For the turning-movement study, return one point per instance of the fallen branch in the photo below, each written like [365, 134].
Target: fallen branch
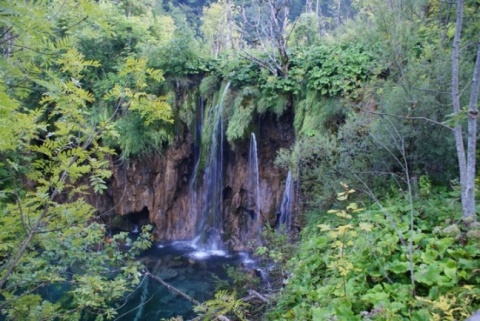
[255, 294]
[172, 288]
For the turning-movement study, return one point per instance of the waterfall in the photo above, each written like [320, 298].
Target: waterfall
[253, 220]
[286, 207]
[211, 224]
[253, 185]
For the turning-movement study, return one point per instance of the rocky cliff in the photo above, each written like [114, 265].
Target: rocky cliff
[157, 189]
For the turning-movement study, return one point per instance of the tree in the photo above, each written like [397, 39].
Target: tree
[265, 25]
[217, 26]
[466, 161]
[50, 155]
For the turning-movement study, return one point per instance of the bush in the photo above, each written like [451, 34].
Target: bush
[357, 264]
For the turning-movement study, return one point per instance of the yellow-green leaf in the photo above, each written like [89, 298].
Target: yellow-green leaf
[324, 227]
[366, 227]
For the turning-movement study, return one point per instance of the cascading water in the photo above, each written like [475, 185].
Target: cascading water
[286, 207]
[253, 220]
[253, 185]
[211, 224]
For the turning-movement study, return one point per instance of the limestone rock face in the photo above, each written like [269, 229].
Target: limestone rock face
[160, 186]
[273, 134]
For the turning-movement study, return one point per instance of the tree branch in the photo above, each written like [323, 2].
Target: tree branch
[6, 32]
[172, 288]
[10, 265]
[409, 118]
[255, 294]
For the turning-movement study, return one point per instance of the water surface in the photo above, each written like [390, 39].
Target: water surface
[185, 268]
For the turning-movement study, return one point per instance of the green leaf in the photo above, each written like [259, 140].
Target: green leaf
[376, 295]
[398, 267]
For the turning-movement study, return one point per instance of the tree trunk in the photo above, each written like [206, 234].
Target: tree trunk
[282, 41]
[472, 140]
[337, 14]
[309, 6]
[466, 161]
[229, 41]
[319, 19]
[268, 21]
[457, 131]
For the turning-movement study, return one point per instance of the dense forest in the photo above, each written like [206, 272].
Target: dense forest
[380, 98]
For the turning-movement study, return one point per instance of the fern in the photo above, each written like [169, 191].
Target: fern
[224, 303]
[277, 104]
[243, 112]
[209, 85]
[135, 138]
[316, 115]
[73, 62]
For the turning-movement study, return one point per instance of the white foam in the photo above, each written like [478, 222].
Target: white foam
[218, 253]
[199, 255]
[206, 254]
[184, 244]
[246, 259]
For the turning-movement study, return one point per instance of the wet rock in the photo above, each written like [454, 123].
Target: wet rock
[159, 185]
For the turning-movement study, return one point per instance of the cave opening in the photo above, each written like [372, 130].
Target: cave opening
[135, 220]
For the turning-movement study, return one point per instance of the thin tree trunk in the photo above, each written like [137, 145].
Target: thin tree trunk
[462, 162]
[320, 19]
[283, 39]
[270, 34]
[472, 139]
[12, 264]
[228, 42]
[337, 15]
[309, 6]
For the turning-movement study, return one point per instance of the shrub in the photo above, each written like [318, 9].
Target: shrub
[356, 265]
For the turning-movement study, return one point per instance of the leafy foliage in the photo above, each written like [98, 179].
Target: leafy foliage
[145, 118]
[224, 303]
[241, 280]
[318, 115]
[349, 278]
[216, 26]
[276, 252]
[336, 70]
[56, 262]
[243, 113]
[315, 72]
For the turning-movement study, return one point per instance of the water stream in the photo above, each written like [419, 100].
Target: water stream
[253, 185]
[253, 222]
[210, 230]
[286, 207]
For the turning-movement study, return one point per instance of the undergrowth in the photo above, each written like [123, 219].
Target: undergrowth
[356, 264]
